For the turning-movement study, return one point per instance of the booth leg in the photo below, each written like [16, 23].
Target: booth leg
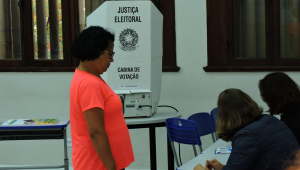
[153, 165]
[170, 155]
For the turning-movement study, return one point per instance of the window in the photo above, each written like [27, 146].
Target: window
[35, 35]
[256, 35]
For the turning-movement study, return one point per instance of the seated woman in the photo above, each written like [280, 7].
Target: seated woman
[259, 141]
[282, 95]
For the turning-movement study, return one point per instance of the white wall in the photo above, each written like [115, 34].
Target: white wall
[42, 95]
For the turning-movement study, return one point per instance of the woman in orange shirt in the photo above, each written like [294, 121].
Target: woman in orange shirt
[100, 137]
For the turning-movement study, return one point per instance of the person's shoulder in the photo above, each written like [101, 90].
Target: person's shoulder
[292, 109]
[267, 117]
[270, 125]
[85, 80]
[260, 124]
[265, 127]
[291, 112]
[85, 76]
[265, 120]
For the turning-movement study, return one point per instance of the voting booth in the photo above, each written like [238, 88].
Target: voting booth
[135, 74]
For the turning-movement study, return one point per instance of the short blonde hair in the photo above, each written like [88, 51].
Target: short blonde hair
[236, 110]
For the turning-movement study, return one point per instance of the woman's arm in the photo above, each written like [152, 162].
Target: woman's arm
[200, 167]
[213, 164]
[95, 122]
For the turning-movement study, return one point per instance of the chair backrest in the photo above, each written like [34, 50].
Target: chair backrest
[203, 122]
[183, 131]
[214, 116]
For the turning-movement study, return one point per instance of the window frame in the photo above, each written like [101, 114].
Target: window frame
[220, 33]
[167, 8]
[28, 63]
[70, 30]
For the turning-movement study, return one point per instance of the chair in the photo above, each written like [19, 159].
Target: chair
[204, 124]
[214, 116]
[183, 131]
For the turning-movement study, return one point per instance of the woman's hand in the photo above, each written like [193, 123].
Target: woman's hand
[214, 164]
[199, 167]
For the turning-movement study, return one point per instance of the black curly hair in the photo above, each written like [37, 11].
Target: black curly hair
[91, 42]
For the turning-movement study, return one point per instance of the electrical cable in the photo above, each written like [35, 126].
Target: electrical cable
[168, 106]
[140, 106]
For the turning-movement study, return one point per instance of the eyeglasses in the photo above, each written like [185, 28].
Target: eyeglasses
[111, 54]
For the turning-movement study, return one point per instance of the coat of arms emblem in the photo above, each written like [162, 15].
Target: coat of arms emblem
[128, 40]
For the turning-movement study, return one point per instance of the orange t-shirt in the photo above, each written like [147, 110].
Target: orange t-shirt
[88, 91]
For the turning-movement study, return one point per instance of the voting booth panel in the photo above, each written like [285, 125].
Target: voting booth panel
[135, 74]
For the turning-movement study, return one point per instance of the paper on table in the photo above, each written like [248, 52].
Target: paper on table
[29, 121]
[223, 150]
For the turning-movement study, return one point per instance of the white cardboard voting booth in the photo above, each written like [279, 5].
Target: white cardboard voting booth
[135, 74]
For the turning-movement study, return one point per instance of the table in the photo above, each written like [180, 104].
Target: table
[18, 131]
[207, 154]
[211, 149]
[157, 120]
